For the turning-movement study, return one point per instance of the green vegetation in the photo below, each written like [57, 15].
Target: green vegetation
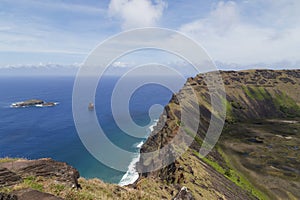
[236, 105]
[194, 135]
[91, 189]
[233, 175]
[57, 188]
[32, 182]
[282, 101]
[256, 93]
[4, 160]
[286, 104]
[229, 114]
[239, 179]
[260, 150]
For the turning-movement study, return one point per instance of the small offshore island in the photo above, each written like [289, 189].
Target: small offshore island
[33, 102]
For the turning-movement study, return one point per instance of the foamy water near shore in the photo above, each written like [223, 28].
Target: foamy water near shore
[132, 175]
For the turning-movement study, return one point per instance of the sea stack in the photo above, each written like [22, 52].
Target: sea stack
[91, 107]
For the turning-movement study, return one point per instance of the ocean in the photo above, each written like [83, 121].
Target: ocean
[49, 132]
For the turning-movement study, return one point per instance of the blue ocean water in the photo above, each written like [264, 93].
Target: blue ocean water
[35, 132]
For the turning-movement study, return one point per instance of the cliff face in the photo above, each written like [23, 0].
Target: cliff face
[250, 95]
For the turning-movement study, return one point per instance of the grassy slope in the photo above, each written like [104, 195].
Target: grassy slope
[93, 189]
[270, 164]
[285, 101]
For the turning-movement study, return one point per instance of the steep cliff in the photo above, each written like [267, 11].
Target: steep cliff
[250, 96]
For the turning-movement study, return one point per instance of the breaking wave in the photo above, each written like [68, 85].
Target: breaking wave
[132, 175]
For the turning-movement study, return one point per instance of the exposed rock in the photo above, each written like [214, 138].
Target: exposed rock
[4, 196]
[293, 73]
[30, 194]
[184, 194]
[13, 172]
[48, 168]
[32, 102]
[287, 80]
[8, 178]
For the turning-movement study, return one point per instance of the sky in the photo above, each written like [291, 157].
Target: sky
[235, 34]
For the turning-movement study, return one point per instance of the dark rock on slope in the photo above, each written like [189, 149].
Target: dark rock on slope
[30, 194]
[4, 196]
[8, 177]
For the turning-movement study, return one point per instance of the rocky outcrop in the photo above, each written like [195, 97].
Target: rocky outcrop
[28, 194]
[32, 102]
[8, 177]
[4, 196]
[14, 171]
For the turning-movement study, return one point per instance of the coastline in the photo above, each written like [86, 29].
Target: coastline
[132, 175]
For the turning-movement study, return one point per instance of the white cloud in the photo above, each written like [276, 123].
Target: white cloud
[230, 35]
[137, 13]
[122, 64]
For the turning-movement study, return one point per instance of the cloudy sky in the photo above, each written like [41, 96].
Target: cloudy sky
[245, 33]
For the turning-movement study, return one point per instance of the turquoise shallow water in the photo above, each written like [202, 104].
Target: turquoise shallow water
[50, 131]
